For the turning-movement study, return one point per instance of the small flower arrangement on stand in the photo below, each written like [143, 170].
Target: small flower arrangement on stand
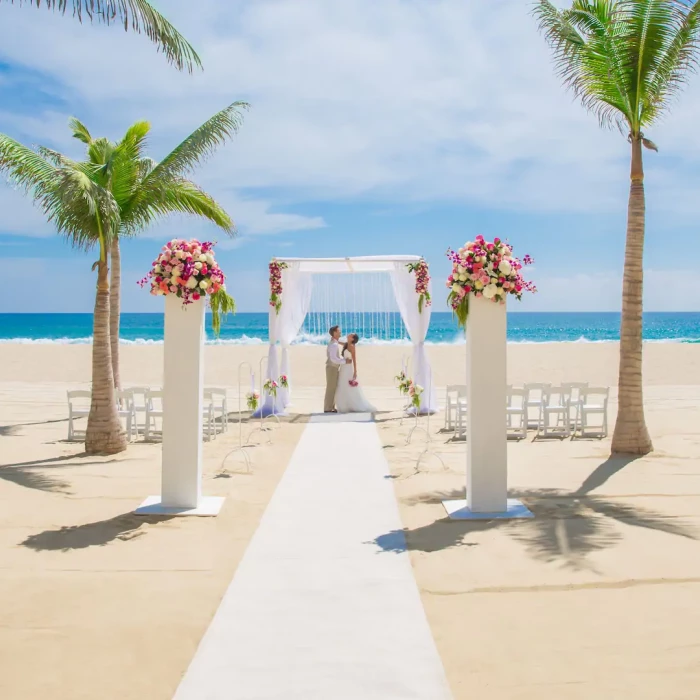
[270, 387]
[188, 270]
[403, 383]
[283, 381]
[414, 393]
[252, 400]
[485, 269]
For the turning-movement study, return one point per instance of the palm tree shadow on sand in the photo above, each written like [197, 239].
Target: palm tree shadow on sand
[122, 527]
[568, 525]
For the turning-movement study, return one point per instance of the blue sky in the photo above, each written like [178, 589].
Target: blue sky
[376, 127]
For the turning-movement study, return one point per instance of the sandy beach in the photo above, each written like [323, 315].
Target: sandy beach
[595, 597]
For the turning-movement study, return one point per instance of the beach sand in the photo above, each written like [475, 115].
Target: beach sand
[595, 597]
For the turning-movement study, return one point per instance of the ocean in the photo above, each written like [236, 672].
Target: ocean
[251, 328]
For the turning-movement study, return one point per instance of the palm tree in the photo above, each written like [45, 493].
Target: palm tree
[146, 191]
[88, 215]
[139, 16]
[626, 60]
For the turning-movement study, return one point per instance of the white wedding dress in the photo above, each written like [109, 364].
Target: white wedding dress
[350, 399]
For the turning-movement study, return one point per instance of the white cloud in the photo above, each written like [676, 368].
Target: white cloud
[664, 290]
[389, 100]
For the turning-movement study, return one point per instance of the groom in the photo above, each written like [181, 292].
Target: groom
[333, 364]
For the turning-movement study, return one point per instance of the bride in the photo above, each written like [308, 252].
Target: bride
[349, 397]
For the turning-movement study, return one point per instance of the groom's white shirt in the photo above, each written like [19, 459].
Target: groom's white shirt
[333, 353]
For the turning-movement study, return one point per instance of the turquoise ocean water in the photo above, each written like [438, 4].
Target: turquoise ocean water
[251, 328]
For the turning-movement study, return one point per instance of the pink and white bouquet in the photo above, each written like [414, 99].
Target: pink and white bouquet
[485, 269]
[270, 387]
[276, 284]
[252, 398]
[189, 270]
[284, 382]
[421, 271]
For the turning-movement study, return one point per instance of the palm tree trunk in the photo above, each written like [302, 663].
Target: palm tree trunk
[631, 435]
[115, 308]
[104, 433]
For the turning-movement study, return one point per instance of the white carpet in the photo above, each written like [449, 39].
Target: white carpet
[316, 610]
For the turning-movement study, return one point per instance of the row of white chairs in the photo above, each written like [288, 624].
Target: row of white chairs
[141, 408]
[572, 408]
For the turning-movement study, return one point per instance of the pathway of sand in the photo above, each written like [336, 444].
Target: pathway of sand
[316, 611]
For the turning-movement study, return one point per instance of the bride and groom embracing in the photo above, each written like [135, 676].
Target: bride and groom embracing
[343, 392]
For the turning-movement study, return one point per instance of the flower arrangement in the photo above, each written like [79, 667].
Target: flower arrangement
[284, 382]
[414, 392]
[485, 269]
[252, 399]
[353, 383]
[189, 270]
[420, 269]
[276, 284]
[403, 382]
[270, 387]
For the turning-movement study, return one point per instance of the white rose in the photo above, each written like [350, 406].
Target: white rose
[191, 283]
[203, 284]
[455, 287]
[179, 254]
[209, 258]
[198, 265]
[157, 268]
[478, 284]
[463, 277]
[491, 291]
[202, 258]
[460, 270]
[505, 267]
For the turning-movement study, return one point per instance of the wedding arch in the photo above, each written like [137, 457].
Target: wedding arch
[291, 285]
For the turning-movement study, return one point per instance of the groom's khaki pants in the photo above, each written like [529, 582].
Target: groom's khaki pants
[331, 386]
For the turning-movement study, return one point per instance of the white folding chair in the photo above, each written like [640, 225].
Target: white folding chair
[125, 409]
[573, 395]
[516, 408]
[77, 411]
[139, 394]
[454, 395]
[209, 423]
[534, 402]
[461, 427]
[556, 405]
[154, 410]
[219, 400]
[593, 402]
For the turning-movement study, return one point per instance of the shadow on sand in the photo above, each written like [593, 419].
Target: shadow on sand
[568, 526]
[122, 527]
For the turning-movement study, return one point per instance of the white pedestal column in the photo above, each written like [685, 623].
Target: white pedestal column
[183, 383]
[487, 449]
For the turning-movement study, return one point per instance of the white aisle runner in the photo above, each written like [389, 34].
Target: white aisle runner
[316, 610]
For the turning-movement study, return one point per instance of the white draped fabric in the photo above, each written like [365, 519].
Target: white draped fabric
[417, 323]
[284, 327]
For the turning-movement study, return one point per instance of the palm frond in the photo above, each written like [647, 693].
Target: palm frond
[201, 143]
[26, 169]
[79, 130]
[623, 59]
[676, 60]
[126, 162]
[135, 15]
[177, 196]
[82, 210]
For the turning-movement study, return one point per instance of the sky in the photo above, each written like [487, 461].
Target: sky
[375, 127]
